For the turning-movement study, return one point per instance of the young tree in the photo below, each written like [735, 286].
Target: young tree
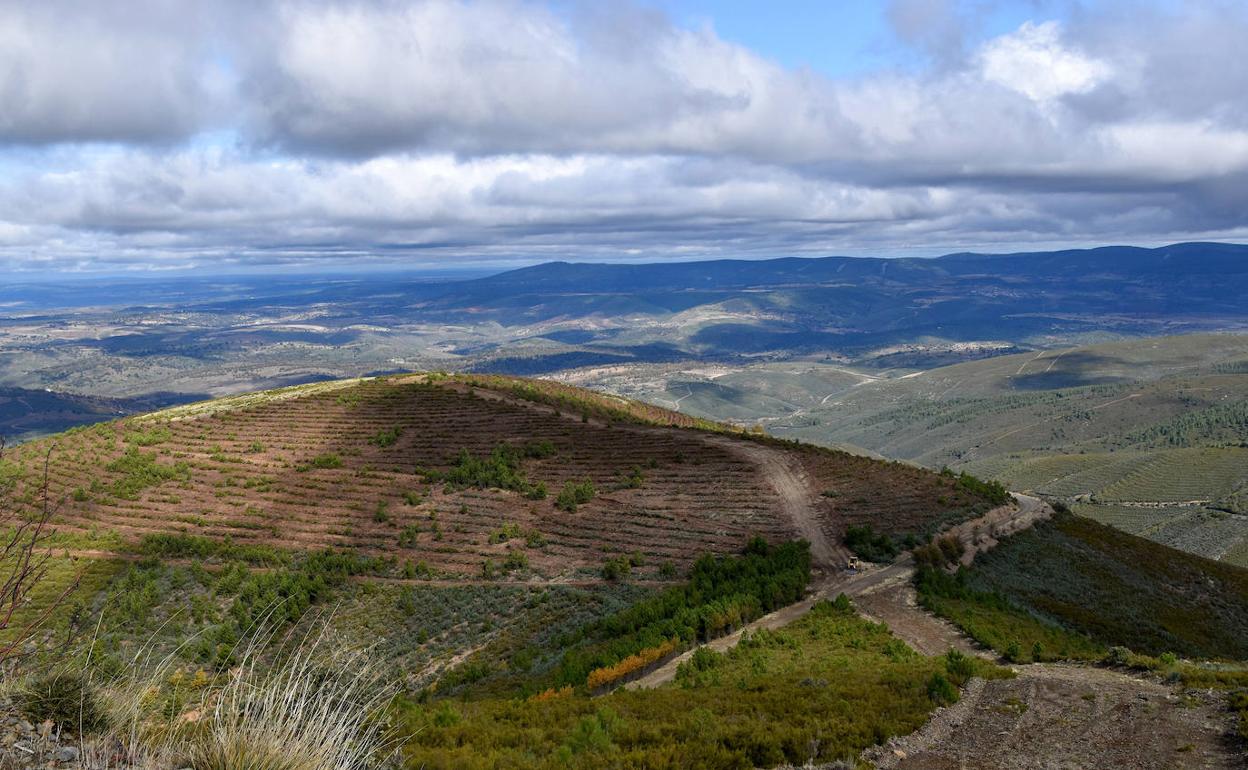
[24, 556]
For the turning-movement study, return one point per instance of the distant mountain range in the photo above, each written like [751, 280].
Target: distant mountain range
[131, 337]
[852, 305]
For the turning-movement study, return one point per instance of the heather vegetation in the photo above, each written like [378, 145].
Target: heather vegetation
[1032, 594]
[500, 470]
[141, 470]
[722, 593]
[820, 690]
[870, 545]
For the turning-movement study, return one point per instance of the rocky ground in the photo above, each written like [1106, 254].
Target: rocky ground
[1064, 716]
[26, 745]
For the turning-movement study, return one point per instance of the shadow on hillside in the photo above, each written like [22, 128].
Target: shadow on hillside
[1072, 370]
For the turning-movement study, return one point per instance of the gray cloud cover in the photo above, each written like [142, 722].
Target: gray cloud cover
[165, 134]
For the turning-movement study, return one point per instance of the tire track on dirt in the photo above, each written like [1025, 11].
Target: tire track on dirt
[797, 497]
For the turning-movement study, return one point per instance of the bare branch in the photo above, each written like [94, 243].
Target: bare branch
[24, 559]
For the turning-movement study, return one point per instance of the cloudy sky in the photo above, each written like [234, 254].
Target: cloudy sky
[226, 135]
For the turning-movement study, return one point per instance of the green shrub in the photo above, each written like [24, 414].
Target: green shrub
[501, 470]
[941, 691]
[178, 546]
[869, 545]
[382, 514]
[325, 461]
[508, 531]
[575, 494]
[1239, 703]
[959, 666]
[721, 593]
[1014, 652]
[1118, 656]
[516, 560]
[151, 437]
[386, 438]
[409, 536]
[140, 470]
[618, 568]
[993, 491]
[66, 699]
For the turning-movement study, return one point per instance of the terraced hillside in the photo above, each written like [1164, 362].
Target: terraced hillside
[457, 474]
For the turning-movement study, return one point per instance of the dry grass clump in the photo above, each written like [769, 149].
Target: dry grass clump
[310, 710]
[298, 704]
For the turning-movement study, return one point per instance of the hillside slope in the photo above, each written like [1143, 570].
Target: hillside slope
[1148, 435]
[455, 472]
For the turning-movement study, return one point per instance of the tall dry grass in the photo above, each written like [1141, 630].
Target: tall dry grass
[298, 703]
[304, 707]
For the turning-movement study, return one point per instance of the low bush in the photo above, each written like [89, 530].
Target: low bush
[722, 593]
[386, 438]
[618, 568]
[326, 461]
[1150, 598]
[870, 545]
[995, 622]
[66, 699]
[140, 470]
[178, 546]
[575, 494]
[823, 688]
[500, 470]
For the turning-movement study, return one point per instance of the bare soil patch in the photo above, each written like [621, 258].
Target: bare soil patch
[1060, 716]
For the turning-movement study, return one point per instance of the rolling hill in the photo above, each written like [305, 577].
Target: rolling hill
[456, 471]
[514, 550]
[1149, 435]
[241, 334]
[460, 492]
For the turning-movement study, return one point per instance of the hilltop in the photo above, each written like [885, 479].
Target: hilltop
[441, 490]
[456, 471]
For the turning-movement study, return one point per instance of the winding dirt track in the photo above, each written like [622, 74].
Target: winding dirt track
[909, 622]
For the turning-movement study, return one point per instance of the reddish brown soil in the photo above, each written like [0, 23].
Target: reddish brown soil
[701, 491]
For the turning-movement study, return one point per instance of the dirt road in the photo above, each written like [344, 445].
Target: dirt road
[797, 497]
[883, 593]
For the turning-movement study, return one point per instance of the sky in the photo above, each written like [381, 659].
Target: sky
[156, 135]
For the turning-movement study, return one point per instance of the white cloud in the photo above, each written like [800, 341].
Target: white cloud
[501, 126]
[1036, 62]
[111, 72]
